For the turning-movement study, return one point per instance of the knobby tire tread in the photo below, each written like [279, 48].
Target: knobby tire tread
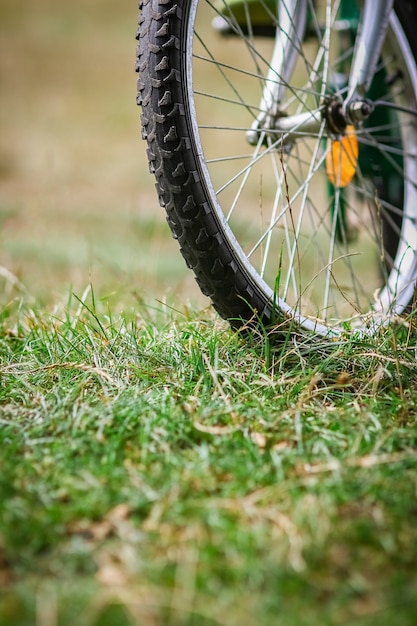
[178, 184]
[181, 191]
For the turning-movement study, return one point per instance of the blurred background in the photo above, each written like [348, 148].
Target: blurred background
[77, 203]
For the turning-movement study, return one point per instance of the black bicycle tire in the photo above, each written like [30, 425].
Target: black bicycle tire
[205, 246]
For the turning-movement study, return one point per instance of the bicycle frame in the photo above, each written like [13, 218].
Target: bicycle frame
[356, 108]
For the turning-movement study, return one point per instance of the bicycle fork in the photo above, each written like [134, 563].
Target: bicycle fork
[333, 111]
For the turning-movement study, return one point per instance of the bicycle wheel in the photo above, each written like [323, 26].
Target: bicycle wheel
[317, 227]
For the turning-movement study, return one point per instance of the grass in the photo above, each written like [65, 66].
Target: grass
[158, 468]
[155, 467]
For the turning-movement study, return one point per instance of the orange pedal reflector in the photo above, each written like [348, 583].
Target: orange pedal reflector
[342, 158]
